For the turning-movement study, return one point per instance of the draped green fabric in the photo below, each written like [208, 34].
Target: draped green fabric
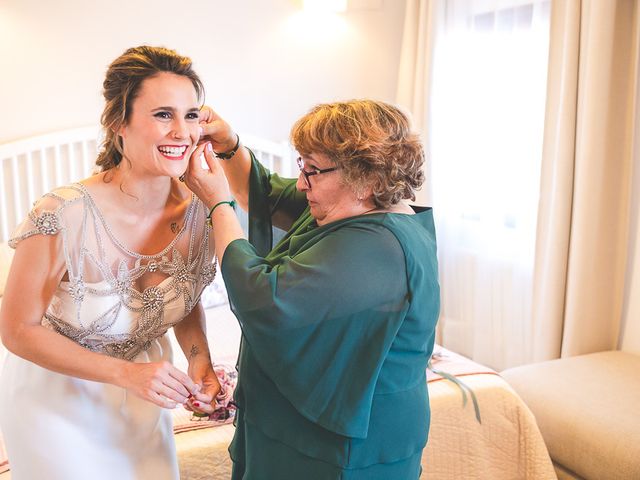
[285, 202]
[338, 323]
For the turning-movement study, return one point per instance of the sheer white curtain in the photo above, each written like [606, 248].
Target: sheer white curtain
[486, 116]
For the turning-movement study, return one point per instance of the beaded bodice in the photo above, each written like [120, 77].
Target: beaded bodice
[117, 301]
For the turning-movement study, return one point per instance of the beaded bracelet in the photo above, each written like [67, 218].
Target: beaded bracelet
[231, 203]
[230, 153]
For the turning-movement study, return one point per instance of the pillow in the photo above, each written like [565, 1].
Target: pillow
[6, 255]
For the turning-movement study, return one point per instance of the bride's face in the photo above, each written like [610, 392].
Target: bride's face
[163, 126]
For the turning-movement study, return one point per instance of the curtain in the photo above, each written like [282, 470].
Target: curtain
[422, 19]
[581, 254]
[530, 172]
[484, 112]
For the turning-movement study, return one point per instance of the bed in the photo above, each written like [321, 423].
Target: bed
[499, 441]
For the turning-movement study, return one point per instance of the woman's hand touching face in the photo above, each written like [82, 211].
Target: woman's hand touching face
[216, 131]
[210, 185]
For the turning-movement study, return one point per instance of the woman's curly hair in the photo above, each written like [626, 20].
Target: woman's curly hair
[371, 142]
[121, 87]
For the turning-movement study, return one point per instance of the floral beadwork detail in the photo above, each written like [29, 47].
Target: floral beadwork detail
[127, 349]
[183, 275]
[208, 273]
[77, 290]
[47, 223]
[116, 301]
[152, 300]
[146, 345]
[120, 349]
[123, 282]
[122, 287]
[179, 269]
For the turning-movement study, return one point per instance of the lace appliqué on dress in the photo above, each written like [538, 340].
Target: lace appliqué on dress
[109, 314]
[44, 223]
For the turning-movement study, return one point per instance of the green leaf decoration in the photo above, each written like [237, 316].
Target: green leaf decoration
[464, 388]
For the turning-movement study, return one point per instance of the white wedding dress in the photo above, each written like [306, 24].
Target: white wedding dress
[115, 302]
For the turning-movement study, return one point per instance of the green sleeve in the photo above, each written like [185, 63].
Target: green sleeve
[322, 321]
[273, 201]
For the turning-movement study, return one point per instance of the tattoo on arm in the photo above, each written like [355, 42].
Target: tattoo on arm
[194, 351]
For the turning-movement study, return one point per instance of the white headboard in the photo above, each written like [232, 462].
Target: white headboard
[33, 166]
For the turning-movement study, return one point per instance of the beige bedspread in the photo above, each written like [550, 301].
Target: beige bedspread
[506, 446]
[203, 453]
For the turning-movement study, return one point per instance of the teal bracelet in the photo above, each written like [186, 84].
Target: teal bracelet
[231, 203]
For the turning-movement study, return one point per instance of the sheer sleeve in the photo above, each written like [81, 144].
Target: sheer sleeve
[58, 213]
[322, 320]
[44, 218]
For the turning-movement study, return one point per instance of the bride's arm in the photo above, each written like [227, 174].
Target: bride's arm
[191, 335]
[38, 267]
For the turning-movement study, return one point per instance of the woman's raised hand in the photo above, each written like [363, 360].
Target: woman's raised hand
[215, 130]
[158, 382]
[210, 185]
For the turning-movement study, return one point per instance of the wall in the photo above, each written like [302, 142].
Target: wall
[263, 63]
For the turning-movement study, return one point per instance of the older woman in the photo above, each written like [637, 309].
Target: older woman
[338, 319]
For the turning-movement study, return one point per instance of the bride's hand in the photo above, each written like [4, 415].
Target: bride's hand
[205, 376]
[158, 382]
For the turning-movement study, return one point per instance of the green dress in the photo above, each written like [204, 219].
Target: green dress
[338, 323]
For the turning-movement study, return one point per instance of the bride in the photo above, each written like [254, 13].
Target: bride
[102, 269]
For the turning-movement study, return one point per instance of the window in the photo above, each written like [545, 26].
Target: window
[487, 116]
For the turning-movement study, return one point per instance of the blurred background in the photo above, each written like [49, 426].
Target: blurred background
[264, 62]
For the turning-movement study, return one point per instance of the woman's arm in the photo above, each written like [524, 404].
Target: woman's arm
[37, 269]
[275, 201]
[191, 335]
[321, 320]
[223, 139]
[211, 187]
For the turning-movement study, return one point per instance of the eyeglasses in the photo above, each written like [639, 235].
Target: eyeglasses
[315, 171]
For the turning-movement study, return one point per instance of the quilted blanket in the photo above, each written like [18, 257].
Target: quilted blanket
[507, 445]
